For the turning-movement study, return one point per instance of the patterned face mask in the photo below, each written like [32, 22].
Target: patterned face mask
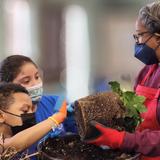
[35, 92]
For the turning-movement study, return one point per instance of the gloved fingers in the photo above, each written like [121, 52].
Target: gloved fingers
[94, 134]
[98, 126]
[63, 108]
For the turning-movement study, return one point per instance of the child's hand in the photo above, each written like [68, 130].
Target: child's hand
[59, 117]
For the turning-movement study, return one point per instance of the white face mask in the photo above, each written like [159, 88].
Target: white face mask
[35, 92]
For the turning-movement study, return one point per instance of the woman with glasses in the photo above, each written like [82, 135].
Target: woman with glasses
[146, 139]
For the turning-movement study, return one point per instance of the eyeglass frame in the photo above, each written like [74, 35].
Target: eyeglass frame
[136, 36]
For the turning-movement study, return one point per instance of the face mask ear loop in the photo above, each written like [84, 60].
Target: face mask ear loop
[148, 39]
[4, 122]
[157, 35]
[10, 113]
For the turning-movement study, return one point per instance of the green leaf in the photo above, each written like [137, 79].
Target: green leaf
[115, 86]
[134, 104]
[139, 99]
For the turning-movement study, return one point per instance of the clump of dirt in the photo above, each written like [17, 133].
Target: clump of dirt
[105, 108]
[72, 148]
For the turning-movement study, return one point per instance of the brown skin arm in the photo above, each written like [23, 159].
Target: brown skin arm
[27, 137]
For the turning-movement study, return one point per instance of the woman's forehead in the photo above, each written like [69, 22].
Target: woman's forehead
[139, 26]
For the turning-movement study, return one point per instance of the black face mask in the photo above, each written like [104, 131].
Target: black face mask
[28, 120]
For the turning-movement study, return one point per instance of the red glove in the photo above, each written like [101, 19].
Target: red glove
[108, 137]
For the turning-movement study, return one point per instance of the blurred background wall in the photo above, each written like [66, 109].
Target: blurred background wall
[79, 44]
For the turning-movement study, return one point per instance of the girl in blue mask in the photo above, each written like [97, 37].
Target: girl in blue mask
[22, 70]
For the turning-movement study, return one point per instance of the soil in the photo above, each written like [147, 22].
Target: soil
[72, 148]
[105, 108]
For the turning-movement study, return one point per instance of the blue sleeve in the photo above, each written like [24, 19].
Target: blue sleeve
[59, 103]
[48, 105]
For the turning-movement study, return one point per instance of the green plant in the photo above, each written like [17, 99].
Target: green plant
[133, 103]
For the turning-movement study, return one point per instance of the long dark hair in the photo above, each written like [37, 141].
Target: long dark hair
[11, 67]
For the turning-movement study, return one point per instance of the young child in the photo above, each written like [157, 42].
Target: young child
[22, 70]
[17, 119]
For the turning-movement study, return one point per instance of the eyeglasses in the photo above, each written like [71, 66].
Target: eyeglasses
[137, 36]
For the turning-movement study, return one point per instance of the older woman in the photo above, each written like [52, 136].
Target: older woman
[146, 140]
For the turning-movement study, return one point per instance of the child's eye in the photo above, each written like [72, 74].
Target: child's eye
[25, 81]
[37, 77]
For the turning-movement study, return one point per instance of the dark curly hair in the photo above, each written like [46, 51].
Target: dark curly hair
[11, 67]
[6, 93]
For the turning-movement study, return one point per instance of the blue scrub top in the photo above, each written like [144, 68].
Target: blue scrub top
[47, 106]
